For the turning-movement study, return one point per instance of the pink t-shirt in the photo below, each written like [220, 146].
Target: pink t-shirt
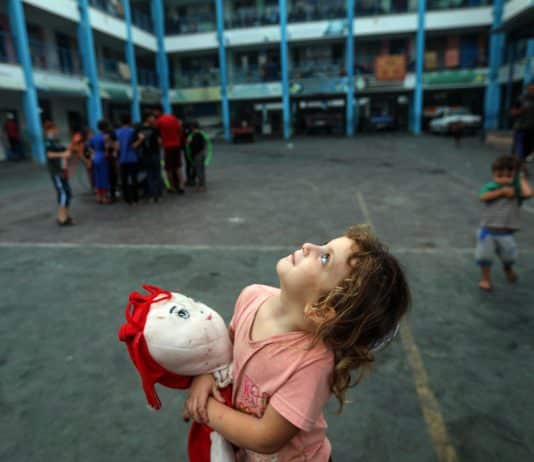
[281, 371]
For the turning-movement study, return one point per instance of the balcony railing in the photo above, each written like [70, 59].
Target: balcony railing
[111, 7]
[309, 70]
[7, 54]
[110, 70]
[142, 20]
[147, 77]
[250, 17]
[197, 78]
[190, 24]
[447, 4]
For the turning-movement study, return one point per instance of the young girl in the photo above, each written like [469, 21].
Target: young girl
[98, 146]
[293, 347]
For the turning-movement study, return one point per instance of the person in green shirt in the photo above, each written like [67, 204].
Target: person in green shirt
[501, 199]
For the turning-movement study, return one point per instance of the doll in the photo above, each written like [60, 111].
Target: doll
[172, 338]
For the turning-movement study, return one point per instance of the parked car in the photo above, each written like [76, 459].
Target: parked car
[445, 122]
[323, 121]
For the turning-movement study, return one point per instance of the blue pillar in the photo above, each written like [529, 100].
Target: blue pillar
[417, 111]
[349, 66]
[222, 69]
[493, 89]
[130, 59]
[285, 77]
[87, 51]
[529, 62]
[30, 102]
[162, 65]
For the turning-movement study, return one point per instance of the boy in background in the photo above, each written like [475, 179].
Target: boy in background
[501, 199]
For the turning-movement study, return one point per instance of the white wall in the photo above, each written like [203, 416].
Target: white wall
[515, 7]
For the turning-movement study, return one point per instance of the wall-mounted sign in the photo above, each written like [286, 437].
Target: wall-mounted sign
[390, 67]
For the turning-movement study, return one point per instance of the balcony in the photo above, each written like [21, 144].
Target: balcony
[190, 24]
[197, 78]
[142, 20]
[111, 7]
[7, 53]
[114, 70]
[48, 57]
[147, 77]
[252, 17]
[449, 4]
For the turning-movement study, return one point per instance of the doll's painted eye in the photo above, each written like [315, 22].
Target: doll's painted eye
[324, 258]
[184, 314]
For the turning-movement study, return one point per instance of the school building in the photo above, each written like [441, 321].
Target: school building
[280, 67]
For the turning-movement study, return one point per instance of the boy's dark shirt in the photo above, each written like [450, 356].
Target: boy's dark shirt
[55, 166]
[149, 148]
[197, 144]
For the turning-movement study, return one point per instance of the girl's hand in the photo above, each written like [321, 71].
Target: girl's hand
[195, 406]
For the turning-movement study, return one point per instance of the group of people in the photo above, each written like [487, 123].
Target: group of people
[130, 156]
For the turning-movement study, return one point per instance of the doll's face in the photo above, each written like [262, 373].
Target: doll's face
[187, 337]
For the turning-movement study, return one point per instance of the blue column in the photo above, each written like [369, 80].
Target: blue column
[30, 102]
[349, 66]
[87, 52]
[493, 89]
[529, 62]
[286, 115]
[162, 65]
[222, 69]
[417, 110]
[130, 59]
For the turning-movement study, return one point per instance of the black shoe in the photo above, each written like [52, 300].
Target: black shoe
[180, 192]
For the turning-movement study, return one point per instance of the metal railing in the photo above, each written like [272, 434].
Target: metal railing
[197, 78]
[7, 53]
[190, 24]
[109, 70]
[147, 77]
[142, 20]
[310, 69]
[251, 17]
[111, 7]
[447, 4]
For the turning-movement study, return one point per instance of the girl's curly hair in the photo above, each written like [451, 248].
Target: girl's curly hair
[369, 304]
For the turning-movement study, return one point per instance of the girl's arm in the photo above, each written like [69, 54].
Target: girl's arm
[265, 435]
[526, 188]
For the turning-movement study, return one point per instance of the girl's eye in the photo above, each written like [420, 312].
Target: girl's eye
[324, 258]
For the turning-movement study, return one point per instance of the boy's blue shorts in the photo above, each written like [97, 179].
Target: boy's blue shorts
[490, 243]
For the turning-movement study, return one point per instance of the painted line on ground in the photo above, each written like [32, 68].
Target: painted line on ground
[431, 410]
[442, 251]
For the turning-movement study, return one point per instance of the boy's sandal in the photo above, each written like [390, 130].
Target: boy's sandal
[67, 222]
[485, 288]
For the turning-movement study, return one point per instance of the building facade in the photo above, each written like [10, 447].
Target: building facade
[288, 66]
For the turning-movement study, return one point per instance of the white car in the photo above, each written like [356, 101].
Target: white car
[446, 120]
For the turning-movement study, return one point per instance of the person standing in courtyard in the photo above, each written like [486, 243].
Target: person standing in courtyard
[171, 134]
[523, 113]
[127, 160]
[12, 132]
[98, 148]
[57, 156]
[501, 199]
[147, 144]
[197, 145]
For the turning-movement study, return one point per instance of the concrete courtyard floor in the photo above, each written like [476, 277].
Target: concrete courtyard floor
[455, 386]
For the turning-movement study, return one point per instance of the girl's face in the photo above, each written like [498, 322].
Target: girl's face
[314, 270]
